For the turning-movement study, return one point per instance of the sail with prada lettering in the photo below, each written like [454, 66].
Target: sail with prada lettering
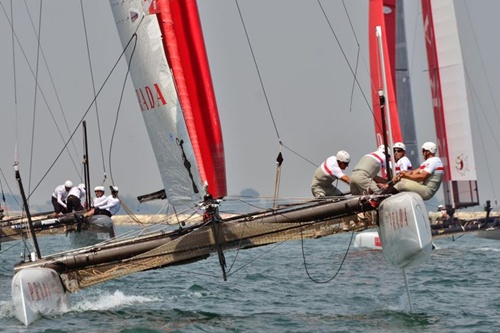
[449, 101]
[164, 46]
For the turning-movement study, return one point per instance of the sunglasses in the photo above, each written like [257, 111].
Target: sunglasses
[398, 150]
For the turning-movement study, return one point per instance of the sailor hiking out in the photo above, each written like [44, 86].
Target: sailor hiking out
[328, 172]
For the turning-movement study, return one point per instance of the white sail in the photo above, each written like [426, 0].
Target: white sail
[158, 101]
[449, 99]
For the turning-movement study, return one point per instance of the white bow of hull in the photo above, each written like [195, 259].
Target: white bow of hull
[404, 230]
[38, 291]
[368, 240]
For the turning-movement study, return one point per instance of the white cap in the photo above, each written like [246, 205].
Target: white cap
[68, 183]
[399, 145]
[99, 188]
[343, 156]
[115, 188]
[440, 207]
[82, 186]
[430, 146]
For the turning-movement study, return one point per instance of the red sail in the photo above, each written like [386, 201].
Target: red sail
[185, 51]
[376, 18]
[437, 98]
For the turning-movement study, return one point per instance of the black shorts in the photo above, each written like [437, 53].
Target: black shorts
[74, 204]
[58, 208]
[98, 211]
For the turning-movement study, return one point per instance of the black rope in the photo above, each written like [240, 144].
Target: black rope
[338, 269]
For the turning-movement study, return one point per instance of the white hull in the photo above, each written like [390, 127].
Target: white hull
[38, 291]
[368, 240]
[404, 230]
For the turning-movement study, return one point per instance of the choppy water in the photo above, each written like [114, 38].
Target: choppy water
[455, 291]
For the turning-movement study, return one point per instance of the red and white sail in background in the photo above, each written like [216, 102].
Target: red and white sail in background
[171, 76]
[449, 100]
[376, 19]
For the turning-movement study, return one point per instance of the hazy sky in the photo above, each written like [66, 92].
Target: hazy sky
[307, 80]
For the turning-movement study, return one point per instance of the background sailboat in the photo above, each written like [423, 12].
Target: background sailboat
[450, 108]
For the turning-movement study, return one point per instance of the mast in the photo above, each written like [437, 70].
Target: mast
[27, 209]
[380, 72]
[388, 142]
[86, 170]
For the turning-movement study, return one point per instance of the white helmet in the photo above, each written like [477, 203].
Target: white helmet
[399, 145]
[81, 186]
[115, 188]
[68, 183]
[381, 148]
[99, 188]
[343, 156]
[430, 146]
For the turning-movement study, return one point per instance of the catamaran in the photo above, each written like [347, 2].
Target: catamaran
[451, 113]
[165, 51]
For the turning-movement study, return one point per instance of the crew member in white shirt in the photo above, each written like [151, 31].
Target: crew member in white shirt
[60, 196]
[364, 177]
[427, 179]
[328, 172]
[99, 199]
[403, 163]
[112, 205]
[75, 196]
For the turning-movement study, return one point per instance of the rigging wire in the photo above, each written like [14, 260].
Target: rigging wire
[353, 71]
[35, 94]
[345, 55]
[15, 104]
[15, 38]
[481, 136]
[14, 80]
[482, 61]
[134, 37]
[93, 89]
[127, 209]
[49, 72]
[478, 100]
[258, 72]
[357, 54]
[12, 246]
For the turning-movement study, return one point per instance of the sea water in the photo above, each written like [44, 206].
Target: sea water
[321, 285]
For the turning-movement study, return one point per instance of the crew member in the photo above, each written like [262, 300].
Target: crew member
[328, 172]
[59, 198]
